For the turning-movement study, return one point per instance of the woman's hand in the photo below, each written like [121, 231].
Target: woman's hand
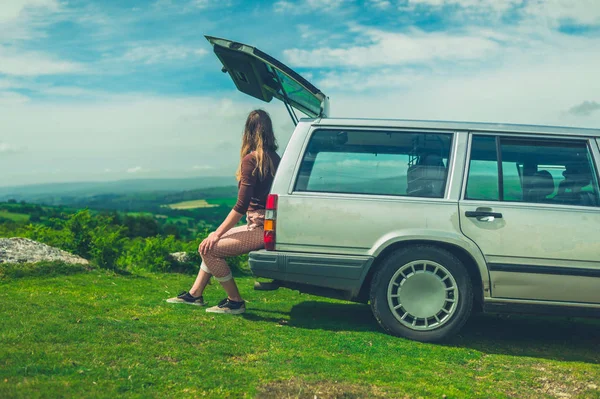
[209, 243]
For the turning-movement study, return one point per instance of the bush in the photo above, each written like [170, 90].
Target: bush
[56, 238]
[150, 254]
[107, 246]
[81, 227]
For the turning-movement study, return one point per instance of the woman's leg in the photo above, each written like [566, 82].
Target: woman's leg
[194, 295]
[201, 281]
[237, 241]
[231, 289]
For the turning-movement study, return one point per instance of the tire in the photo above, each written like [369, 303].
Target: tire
[423, 293]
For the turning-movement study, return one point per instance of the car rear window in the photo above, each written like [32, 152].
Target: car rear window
[376, 162]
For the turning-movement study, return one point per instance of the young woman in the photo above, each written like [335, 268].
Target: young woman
[258, 164]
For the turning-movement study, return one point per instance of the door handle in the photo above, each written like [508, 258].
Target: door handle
[480, 214]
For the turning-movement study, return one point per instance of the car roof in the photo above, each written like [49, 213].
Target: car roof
[454, 126]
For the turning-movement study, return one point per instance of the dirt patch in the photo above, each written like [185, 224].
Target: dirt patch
[319, 390]
[562, 385]
[168, 359]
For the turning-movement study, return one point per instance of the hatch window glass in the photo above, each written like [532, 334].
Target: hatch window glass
[298, 94]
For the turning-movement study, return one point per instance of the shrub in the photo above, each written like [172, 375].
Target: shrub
[81, 226]
[107, 245]
[151, 254]
[56, 238]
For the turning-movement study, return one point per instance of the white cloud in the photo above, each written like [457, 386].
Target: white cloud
[390, 48]
[488, 5]
[8, 84]
[529, 90]
[69, 91]
[187, 6]
[306, 6]
[22, 21]
[9, 98]
[325, 5]
[283, 6]
[25, 19]
[45, 89]
[549, 12]
[365, 80]
[6, 148]
[32, 63]
[135, 169]
[162, 53]
[381, 4]
[200, 3]
[586, 12]
[11, 10]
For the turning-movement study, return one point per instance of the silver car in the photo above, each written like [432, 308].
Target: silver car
[426, 221]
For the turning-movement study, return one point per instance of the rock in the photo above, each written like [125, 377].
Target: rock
[24, 250]
[180, 257]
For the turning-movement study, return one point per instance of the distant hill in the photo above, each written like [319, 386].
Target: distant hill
[52, 192]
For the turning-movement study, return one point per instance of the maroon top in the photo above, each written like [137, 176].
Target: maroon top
[252, 191]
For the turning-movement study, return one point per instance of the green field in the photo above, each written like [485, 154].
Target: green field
[98, 334]
[16, 217]
[137, 214]
[191, 204]
[230, 202]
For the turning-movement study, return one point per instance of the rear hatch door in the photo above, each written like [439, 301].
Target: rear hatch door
[259, 75]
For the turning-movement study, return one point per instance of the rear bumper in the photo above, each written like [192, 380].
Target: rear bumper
[340, 272]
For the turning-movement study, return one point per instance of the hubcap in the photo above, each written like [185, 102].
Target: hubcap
[422, 295]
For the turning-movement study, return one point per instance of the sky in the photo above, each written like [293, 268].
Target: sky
[121, 89]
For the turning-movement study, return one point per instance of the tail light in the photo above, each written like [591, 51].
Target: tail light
[270, 221]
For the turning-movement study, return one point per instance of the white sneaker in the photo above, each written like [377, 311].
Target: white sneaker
[228, 306]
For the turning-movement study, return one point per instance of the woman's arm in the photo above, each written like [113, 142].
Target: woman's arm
[209, 242]
[230, 221]
[245, 192]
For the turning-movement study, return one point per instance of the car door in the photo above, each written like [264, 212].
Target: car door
[531, 204]
[261, 76]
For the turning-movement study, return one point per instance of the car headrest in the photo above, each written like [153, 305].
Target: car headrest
[541, 184]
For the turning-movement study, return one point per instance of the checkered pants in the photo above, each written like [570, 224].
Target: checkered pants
[237, 241]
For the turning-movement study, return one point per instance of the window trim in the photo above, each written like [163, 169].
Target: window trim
[500, 168]
[594, 146]
[594, 151]
[316, 128]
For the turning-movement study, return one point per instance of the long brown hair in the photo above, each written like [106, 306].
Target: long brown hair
[258, 137]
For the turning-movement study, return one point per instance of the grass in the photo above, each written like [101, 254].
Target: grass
[191, 204]
[15, 217]
[45, 269]
[98, 334]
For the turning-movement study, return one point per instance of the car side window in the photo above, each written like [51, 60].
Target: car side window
[530, 170]
[375, 162]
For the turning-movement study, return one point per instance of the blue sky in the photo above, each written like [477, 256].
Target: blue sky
[105, 90]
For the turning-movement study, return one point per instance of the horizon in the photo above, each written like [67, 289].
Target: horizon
[75, 182]
[98, 91]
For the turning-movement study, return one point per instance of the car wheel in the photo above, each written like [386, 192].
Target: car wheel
[423, 293]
